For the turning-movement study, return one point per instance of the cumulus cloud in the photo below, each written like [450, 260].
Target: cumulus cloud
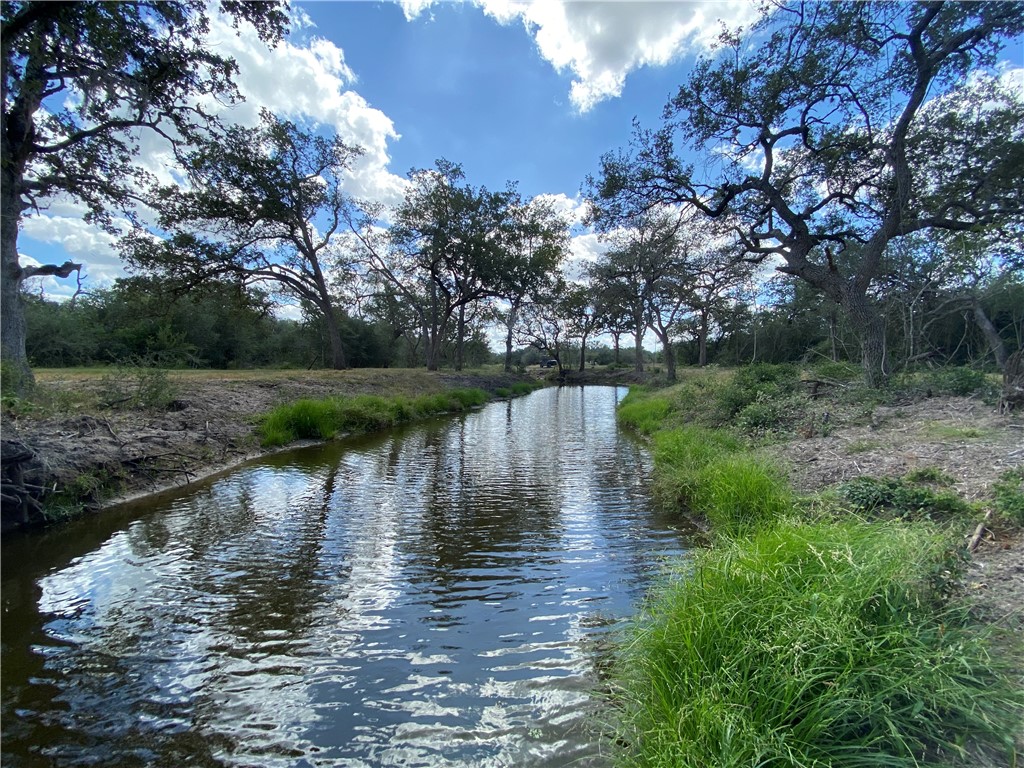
[601, 43]
[312, 83]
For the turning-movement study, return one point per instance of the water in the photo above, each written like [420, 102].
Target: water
[434, 596]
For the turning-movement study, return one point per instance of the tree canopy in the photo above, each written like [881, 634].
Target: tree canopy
[838, 127]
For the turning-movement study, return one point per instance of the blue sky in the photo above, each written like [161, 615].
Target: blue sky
[531, 91]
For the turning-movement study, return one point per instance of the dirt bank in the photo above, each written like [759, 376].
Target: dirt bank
[73, 446]
[963, 437]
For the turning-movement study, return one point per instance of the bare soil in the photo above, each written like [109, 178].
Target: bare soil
[964, 438]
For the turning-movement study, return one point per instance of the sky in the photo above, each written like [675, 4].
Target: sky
[530, 91]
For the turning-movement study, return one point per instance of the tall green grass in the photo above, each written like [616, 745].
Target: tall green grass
[811, 645]
[323, 419]
[800, 643]
[708, 472]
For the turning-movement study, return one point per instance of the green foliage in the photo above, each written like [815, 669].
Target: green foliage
[1008, 496]
[323, 419]
[811, 645]
[960, 380]
[137, 384]
[738, 493]
[762, 381]
[905, 498]
[681, 459]
[841, 370]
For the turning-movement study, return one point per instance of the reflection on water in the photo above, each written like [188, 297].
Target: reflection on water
[429, 597]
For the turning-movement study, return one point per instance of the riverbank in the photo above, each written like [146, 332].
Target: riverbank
[89, 438]
[837, 617]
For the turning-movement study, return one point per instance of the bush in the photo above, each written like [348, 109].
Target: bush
[811, 645]
[1008, 496]
[761, 380]
[959, 381]
[841, 370]
[137, 384]
[902, 498]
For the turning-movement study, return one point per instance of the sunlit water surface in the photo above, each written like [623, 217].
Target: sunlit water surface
[435, 596]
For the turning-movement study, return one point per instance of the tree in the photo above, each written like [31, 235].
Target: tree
[80, 81]
[644, 275]
[444, 251]
[537, 243]
[543, 323]
[583, 316]
[266, 205]
[839, 126]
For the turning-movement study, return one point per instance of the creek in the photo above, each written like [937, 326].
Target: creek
[439, 595]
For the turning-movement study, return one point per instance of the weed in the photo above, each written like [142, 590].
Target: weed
[949, 432]
[137, 384]
[904, 498]
[323, 419]
[642, 412]
[930, 476]
[1008, 496]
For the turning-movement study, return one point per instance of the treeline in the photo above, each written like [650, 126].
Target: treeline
[228, 325]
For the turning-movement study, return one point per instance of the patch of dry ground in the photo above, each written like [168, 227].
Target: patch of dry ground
[964, 438]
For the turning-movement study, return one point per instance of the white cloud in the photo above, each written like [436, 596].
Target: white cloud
[311, 84]
[601, 43]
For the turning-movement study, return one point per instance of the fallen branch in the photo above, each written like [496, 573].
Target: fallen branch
[979, 532]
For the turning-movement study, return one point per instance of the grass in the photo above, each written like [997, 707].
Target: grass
[308, 419]
[810, 645]
[949, 432]
[803, 637]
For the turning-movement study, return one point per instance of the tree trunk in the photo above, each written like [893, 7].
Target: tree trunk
[583, 354]
[460, 338]
[615, 342]
[670, 360]
[702, 340]
[513, 313]
[338, 362]
[869, 325]
[995, 341]
[12, 309]
[638, 350]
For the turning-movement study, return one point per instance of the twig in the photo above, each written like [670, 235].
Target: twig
[979, 532]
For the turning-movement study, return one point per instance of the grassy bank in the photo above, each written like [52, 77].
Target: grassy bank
[323, 419]
[815, 630]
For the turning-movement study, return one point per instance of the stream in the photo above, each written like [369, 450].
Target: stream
[438, 595]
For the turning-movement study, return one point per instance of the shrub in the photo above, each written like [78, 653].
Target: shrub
[959, 381]
[137, 384]
[841, 370]
[902, 498]
[1008, 496]
[760, 379]
[811, 645]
